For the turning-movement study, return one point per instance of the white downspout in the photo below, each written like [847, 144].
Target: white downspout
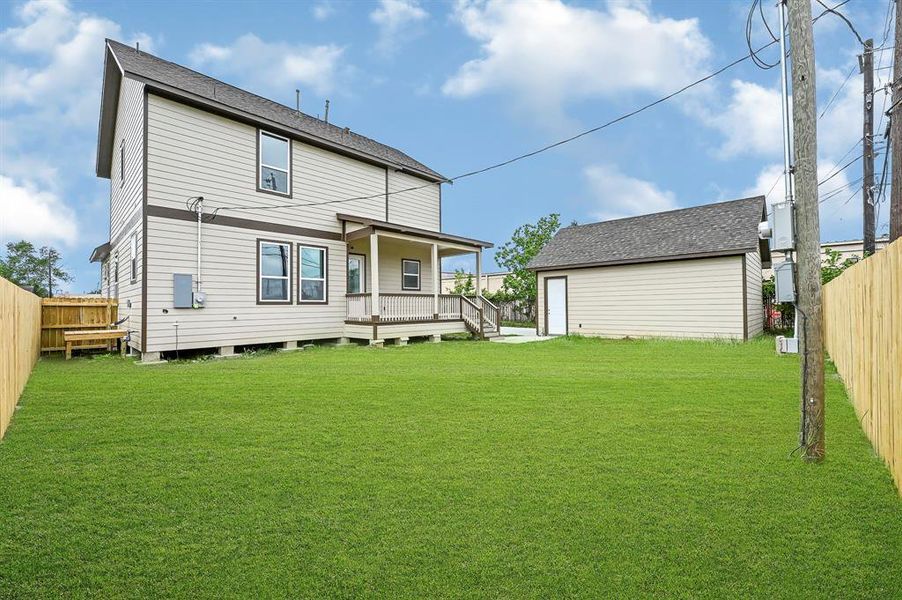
[200, 215]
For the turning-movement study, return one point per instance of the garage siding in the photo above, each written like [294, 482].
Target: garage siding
[699, 298]
[754, 299]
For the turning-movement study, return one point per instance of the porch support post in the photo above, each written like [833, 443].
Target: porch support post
[479, 272]
[374, 275]
[436, 280]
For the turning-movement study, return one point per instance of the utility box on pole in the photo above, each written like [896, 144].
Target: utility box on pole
[783, 237]
[784, 282]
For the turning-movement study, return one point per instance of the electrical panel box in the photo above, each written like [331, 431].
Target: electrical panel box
[787, 345]
[783, 236]
[784, 281]
[182, 290]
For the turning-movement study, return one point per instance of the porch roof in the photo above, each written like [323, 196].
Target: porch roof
[376, 225]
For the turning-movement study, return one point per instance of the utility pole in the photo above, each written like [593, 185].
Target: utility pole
[804, 126]
[49, 275]
[895, 135]
[866, 62]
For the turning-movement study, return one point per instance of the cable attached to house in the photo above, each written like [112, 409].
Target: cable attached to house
[751, 55]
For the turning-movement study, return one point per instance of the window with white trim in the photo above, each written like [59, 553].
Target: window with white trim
[410, 274]
[312, 273]
[274, 267]
[134, 264]
[274, 168]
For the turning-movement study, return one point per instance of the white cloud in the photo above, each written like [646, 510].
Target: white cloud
[275, 65]
[323, 10]
[45, 24]
[546, 53]
[619, 195]
[751, 123]
[68, 48]
[39, 216]
[397, 21]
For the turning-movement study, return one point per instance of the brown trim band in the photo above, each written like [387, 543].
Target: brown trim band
[636, 261]
[166, 212]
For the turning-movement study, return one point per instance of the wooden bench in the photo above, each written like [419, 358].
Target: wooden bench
[95, 335]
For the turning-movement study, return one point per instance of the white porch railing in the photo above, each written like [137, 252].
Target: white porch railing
[476, 311]
[406, 307]
[360, 307]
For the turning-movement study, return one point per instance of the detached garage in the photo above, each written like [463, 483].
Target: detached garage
[688, 273]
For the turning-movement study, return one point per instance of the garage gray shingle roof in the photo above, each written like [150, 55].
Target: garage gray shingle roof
[708, 230]
[175, 76]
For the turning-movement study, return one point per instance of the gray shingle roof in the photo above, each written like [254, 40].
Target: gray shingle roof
[181, 78]
[708, 230]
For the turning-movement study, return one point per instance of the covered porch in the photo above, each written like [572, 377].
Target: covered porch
[394, 280]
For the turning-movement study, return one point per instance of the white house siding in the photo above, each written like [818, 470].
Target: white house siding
[754, 298]
[126, 193]
[700, 298]
[128, 290]
[391, 252]
[416, 207]
[196, 153]
[229, 279]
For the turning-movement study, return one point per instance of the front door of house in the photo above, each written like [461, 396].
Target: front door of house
[356, 274]
[556, 305]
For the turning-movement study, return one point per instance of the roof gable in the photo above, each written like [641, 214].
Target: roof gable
[168, 77]
[707, 230]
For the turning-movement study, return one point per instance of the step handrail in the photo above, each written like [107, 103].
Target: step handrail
[476, 325]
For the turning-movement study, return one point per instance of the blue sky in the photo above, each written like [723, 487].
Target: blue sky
[457, 86]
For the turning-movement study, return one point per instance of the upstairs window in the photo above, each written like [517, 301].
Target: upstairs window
[274, 168]
[121, 163]
[273, 268]
[410, 274]
[313, 268]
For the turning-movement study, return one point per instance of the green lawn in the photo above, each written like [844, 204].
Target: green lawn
[573, 467]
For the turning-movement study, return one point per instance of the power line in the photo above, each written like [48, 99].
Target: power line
[836, 93]
[546, 148]
[843, 17]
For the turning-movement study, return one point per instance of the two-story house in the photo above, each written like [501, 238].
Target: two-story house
[235, 220]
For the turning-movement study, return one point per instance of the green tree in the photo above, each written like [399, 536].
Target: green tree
[831, 268]
[37, 268]
[525, 243]
[463, 283]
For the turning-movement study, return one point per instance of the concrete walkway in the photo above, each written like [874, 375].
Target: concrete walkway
[519, 335]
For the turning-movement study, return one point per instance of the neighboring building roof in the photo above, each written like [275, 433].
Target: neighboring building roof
[720, 229]
[377, 225]
[168, 77]
[453, 274]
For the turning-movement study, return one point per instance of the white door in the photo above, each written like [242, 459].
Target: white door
[556, 305]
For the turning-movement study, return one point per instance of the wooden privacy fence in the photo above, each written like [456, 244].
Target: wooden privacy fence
[863, 334]
[20, 345]
[68, 313]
